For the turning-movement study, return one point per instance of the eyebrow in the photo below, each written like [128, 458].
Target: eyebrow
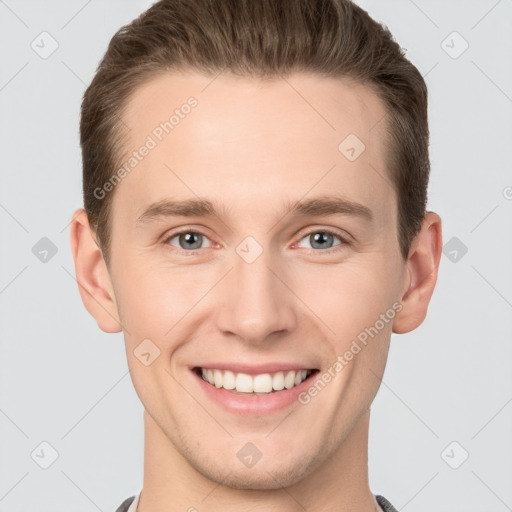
[323, 205]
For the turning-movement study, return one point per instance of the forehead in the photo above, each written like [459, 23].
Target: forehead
[234, 106]
[285, 134]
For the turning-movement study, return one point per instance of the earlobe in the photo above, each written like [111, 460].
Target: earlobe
[422, 267]
[92, 274]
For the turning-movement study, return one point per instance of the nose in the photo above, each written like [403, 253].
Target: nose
[256, 305]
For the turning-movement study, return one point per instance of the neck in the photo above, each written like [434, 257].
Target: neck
[339, 484]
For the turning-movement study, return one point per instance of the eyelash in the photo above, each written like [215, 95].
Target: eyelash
[343, 240]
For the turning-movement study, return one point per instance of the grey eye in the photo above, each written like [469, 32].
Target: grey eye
[188, 240]
[321, 239]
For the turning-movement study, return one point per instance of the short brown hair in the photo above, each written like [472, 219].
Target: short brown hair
[258, 38]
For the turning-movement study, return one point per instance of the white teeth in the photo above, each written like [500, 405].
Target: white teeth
[262, 383]
[217, 378]
[289, 380]
[229, 380]
[278, 381]
[244, 383]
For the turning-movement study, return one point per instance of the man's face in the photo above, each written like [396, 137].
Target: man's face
[256, 290]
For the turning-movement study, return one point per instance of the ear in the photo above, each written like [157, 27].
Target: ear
[92, 274]
[422, 264]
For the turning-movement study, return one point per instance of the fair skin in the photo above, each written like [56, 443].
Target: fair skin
[251, 147]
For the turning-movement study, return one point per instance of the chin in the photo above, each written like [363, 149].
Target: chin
[269, 476]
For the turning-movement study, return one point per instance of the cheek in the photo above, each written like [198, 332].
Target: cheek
[153, 299]
[350, 297]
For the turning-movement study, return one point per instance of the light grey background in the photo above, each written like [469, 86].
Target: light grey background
[65, 382]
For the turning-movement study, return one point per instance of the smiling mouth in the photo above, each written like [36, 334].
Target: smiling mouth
[264, 383]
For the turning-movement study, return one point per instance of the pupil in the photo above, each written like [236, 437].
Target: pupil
[319, 238]
[189, 239]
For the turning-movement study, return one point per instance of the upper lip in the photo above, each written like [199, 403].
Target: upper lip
[255, 369]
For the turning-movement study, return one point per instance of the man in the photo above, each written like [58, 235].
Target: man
[255, 183]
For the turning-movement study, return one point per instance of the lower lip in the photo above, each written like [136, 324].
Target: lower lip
[249, 403]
